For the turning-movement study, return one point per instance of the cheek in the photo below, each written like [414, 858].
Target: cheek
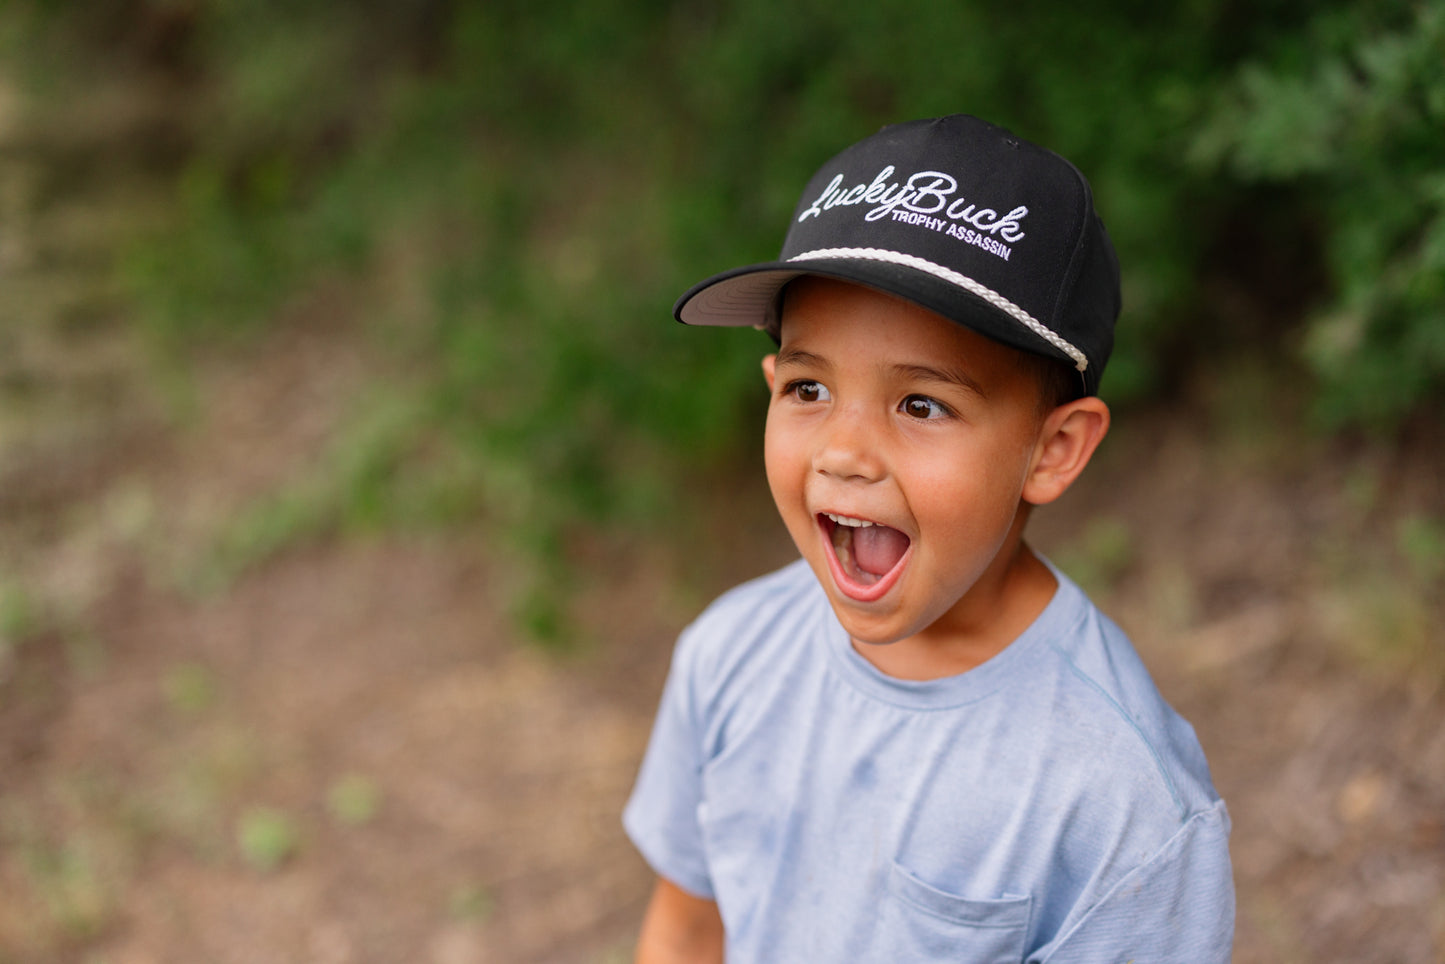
[970, 495]
[781, 460]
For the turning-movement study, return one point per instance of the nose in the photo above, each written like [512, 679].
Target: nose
[849, 448]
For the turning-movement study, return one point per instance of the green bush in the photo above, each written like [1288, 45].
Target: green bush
[1356, 119]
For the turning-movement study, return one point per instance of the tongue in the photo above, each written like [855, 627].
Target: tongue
[877, 549]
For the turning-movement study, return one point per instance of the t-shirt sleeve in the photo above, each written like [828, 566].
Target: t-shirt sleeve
[661, 816]
[1178, 906]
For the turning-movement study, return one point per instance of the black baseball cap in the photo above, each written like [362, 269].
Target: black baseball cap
[959, 216]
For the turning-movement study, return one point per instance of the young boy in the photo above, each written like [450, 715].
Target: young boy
[921, 742]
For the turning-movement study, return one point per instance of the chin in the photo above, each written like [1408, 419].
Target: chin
[864, 630]
[867, 641]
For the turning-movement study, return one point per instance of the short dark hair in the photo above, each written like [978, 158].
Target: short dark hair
[1059, 382]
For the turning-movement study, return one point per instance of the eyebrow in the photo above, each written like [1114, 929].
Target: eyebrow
[923, 373]
[949, 376]
[796, 356]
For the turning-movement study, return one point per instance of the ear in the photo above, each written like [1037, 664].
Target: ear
[769, 361]
[1067, 441]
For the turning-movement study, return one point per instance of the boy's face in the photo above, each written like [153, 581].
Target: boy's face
[898, 446]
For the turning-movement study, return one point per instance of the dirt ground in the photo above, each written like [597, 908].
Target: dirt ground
[347, 754]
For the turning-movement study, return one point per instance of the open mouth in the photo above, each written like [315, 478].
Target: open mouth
[867, 556]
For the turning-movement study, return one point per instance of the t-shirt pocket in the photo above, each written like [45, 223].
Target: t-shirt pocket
[921, 922]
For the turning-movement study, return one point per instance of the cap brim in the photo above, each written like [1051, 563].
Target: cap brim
[742, 297]
[748, 296]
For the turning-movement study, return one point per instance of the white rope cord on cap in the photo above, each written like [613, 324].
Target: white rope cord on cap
[963, 281]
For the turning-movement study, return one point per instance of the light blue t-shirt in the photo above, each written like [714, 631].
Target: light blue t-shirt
[1047, 805]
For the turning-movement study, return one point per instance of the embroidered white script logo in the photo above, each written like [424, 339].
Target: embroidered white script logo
[924, 193]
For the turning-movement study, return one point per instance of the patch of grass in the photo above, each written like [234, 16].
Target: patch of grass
[1173, 597]
[1421, 541]
[376, 471]
[1385, 625]
[84, 650]
[75, 851]
[267, 838]
[1362, 489]
[1100, 555]
[76, 897]
[19, 616]
[471, 902]
[542, 614]
[190, 688]
[1380, 598]
[1252, 406]
[130, 513]
[279, 520]
[24, 617]
[354, 800]
[1278, 925]
[193, 793]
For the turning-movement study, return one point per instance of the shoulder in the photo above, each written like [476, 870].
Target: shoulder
[751, 623]
[777, 604]
[1113, 704]
[764, 595]
[1119, 784]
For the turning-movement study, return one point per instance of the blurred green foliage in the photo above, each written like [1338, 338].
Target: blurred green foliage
[1352, 116]
[521, 188]
[354, 800]
[267, 837]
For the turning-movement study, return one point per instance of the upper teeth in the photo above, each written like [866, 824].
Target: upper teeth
[844, 520]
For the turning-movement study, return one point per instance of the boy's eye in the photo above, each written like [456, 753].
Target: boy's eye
[923, 407]
[808, 391]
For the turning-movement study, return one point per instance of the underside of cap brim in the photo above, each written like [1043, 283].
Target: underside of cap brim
[748, 296]
[741, 297]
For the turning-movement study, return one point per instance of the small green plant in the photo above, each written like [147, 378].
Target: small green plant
[470, 902]
[189, 804]
[1387, 626]
[1100, 555]
[368, 477]
[1173, 597]
[267, 838]
[19, 618]
[84, 649]
[1421, 540]
[189, 688]
[76, 897]
[1363, 490]
[354, 800]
